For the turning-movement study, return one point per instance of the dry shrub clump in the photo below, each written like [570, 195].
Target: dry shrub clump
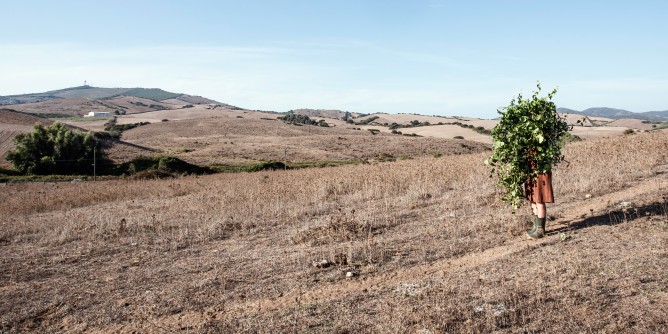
[427, 247]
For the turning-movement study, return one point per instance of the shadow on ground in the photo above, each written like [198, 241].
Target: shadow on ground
[615, 216]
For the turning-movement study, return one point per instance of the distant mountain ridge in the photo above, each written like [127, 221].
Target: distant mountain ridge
[618, 113]
[100, 93]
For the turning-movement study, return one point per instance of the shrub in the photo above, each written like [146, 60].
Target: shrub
[293, 118]
[457, 137]
[115, 130]
[629, 132]
[53, 150]
[569, 137]
[268, 165]
[166, 164]
[367, 121]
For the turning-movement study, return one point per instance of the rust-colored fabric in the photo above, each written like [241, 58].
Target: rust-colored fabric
[541, 191]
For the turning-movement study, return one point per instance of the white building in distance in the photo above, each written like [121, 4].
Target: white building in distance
[98, 114]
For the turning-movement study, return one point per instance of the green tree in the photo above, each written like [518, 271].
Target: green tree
[53, 150]
[527, 128]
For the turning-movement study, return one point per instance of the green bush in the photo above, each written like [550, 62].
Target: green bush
[268, 165]
[53, 150]
[167, 165]
[367, 121]
[115, 130]
[293, 118]
[569, 137]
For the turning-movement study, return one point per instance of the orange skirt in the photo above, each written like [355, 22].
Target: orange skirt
[541, 190]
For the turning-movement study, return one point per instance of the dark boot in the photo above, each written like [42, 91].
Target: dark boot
[539, 232]
[534, 220]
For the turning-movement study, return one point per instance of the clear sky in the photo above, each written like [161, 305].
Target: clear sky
[441, 57]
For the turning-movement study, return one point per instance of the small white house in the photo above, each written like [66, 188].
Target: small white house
[98, 114]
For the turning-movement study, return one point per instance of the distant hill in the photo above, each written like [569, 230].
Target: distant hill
[618, 113]
[100, 93]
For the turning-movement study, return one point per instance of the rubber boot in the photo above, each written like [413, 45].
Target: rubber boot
[539, 232]
[534, 220]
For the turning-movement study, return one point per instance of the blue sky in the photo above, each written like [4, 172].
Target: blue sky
[423, 56]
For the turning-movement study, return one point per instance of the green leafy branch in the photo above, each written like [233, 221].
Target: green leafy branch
[527, 142]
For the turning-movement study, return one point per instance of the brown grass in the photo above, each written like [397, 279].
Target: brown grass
[227, 139]
[431, 248]
[72, 107]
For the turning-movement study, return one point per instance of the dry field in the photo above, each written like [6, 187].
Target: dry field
[589, 132]
[196, 112]
[631, 123]
[430, 249]
[228, 139]
[133, 104]
[72, 107]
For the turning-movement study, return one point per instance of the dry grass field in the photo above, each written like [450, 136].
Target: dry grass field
[631, 123]
[71, 107]
[134, 105]
[428, 247]
[233, 138]
[589, 132]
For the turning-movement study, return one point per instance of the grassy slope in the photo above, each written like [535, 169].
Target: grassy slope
[432, 249]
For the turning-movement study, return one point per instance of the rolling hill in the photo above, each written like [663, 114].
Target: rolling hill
[618, 113]
[100, 93]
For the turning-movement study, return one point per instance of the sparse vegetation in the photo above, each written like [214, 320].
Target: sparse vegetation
[296, 119]
[116, 130]
[271, 244]
[154, 94]
[366, 121]
[234, 252]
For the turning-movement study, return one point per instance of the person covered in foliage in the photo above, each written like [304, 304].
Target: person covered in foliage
[538, 192]
[527, 144]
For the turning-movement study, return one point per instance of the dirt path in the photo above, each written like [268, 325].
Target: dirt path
[641, 193]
